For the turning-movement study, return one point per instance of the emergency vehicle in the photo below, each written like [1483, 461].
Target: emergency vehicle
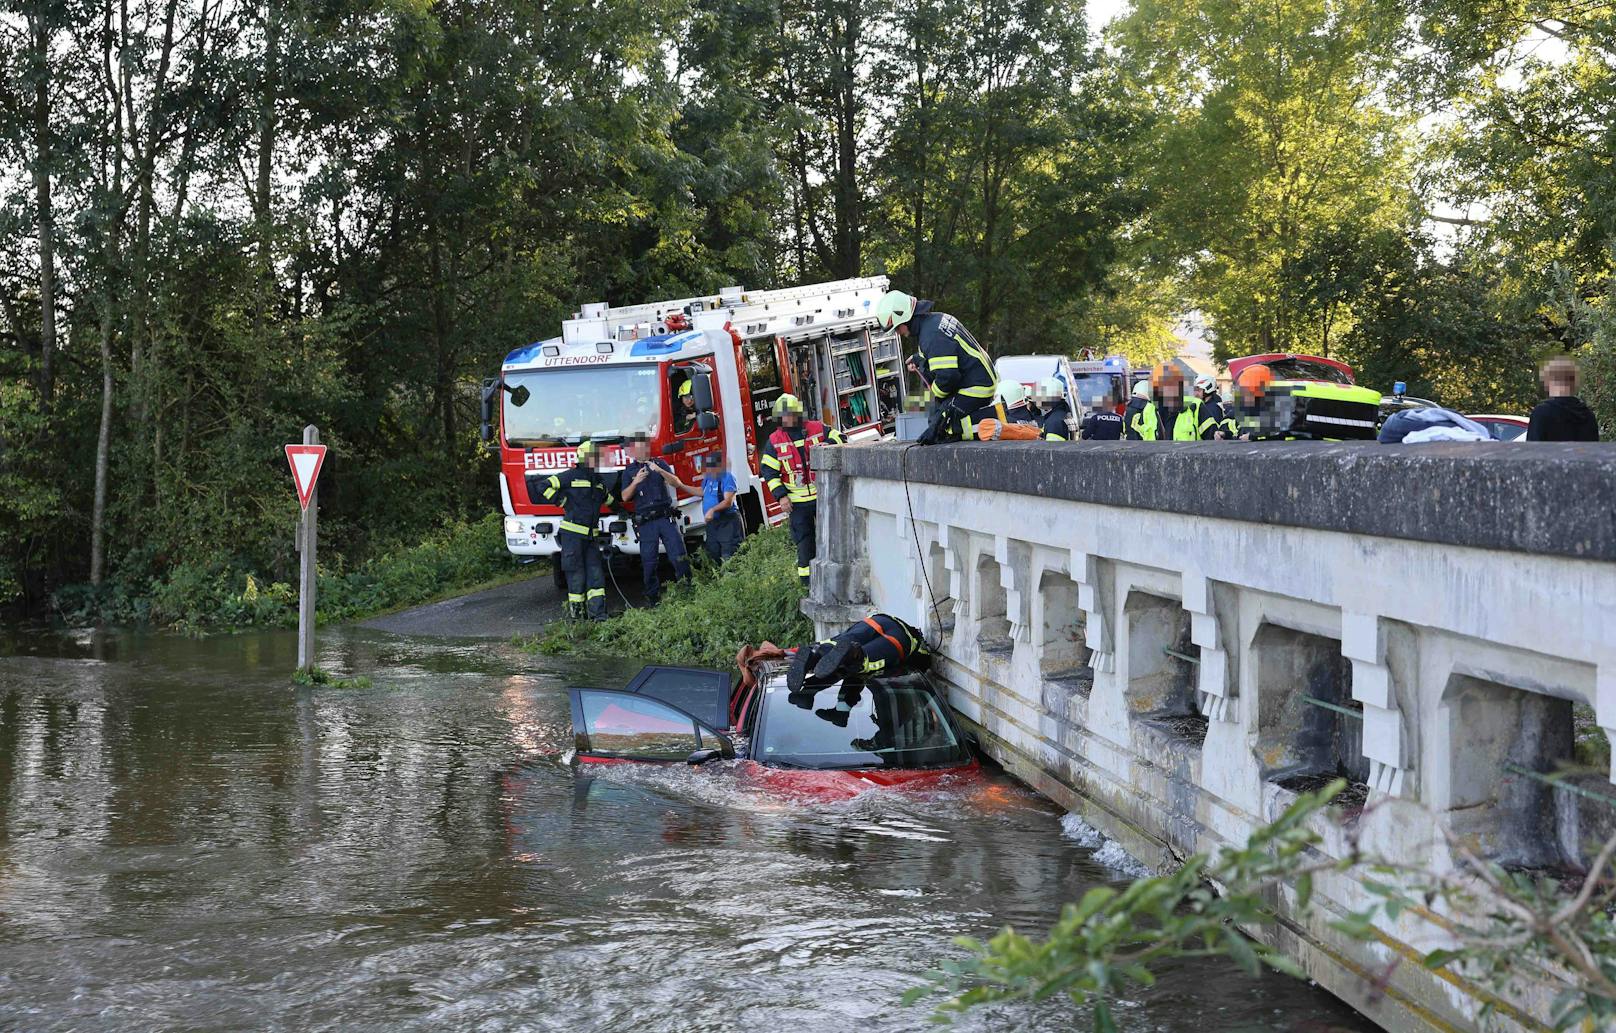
[695, 375]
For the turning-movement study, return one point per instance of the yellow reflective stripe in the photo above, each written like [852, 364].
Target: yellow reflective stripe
[985, 391]
[804, 571]
[596, 593]
[938, 392]
[609, 499]
[575, 597]
[836, 438]
[771, 461]
[568, 525]
[1053, 437]
[799, 494]
[978, 354]
[1205, 424]
[581, 484]
[943, 362]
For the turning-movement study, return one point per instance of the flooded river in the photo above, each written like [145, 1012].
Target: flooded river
[189, 842]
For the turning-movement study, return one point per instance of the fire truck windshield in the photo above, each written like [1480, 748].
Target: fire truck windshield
[585, 402]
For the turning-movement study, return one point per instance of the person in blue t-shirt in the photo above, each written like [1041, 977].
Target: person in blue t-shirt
[724, 528]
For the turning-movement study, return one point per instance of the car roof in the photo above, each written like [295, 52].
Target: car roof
[1505, 417]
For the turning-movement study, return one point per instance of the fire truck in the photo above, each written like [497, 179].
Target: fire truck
[694, 375]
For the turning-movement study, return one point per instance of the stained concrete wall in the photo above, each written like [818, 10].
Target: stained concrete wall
[1133, 628]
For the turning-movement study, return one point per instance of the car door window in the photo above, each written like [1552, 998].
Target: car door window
[624, 724]
[695, 690]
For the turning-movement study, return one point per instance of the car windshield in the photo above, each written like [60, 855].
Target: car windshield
[892, 722]
[1307, 369]
[591, 402]
[1503, 430]
[1098, 389]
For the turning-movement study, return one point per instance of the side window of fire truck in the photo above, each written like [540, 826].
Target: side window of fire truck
[763, 373]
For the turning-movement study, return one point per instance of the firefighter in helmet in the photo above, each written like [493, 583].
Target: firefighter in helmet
[581, 494]
[789, 476]
[951, 362]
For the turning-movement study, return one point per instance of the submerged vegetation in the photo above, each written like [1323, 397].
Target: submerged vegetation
[754, 597]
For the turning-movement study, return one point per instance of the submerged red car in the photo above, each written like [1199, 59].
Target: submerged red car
[826, 740]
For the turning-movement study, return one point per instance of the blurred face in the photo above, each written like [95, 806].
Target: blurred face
[790, 418]
[1171, 392]
[902, 329]
[639, 448]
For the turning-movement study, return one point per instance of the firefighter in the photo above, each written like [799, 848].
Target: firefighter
[1012, 395]
[878, 645]
[651, 485]
[580, 493]
[1057, 423]
[685, 415]
[954, 366]
[1139, 419]
[1215, 424]
[789, 477]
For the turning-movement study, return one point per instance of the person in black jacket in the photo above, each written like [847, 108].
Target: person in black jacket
[581, 493]
[953, 364]
[1563, 416]
[1215, 423]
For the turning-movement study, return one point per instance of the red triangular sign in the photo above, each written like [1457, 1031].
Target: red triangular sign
[305, 461]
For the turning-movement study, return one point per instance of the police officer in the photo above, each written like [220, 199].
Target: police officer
[879, 644]
[1103, 422]
[581, 493]
[952, 363]
[651, 485]
[789, 476]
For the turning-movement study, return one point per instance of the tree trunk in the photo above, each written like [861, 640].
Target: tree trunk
[39, 34]
[263, 198]
[103, 448]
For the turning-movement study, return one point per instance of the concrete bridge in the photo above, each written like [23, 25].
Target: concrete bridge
[1173, 639]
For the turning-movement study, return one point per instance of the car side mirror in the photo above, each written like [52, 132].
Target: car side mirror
[707, 420]
[701, 757]
[673, 448]
[701, 390]
[519, 395]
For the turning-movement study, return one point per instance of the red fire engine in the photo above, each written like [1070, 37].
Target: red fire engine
[694, 375]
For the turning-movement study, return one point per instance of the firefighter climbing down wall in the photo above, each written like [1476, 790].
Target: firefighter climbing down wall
[953, 364]
[789, 476]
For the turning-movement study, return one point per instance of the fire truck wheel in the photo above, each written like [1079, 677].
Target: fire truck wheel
[557, 576]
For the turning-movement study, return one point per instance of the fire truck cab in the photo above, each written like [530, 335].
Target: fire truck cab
[694, 375]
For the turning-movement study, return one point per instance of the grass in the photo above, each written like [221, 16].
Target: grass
[202, 596]
[317, 676]
[754, 597]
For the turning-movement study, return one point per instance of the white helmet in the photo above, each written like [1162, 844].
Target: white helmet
[894, 309]
[1012, 392]
[1142, 389]
[1205, 383]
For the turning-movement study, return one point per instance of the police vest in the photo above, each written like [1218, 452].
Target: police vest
[790, 461]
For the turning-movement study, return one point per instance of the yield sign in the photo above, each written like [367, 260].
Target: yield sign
[306, 461]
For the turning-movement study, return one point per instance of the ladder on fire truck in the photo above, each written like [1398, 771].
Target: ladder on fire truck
[786, 312]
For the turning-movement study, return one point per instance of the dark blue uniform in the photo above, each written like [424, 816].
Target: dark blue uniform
[580, 493]
[656, 524]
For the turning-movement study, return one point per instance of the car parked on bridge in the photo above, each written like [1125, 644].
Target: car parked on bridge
[1503, 427]
[826, 741]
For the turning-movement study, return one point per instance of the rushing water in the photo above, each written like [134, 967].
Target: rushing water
[188, 842]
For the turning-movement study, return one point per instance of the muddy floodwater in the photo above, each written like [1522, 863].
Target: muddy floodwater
[188, 842]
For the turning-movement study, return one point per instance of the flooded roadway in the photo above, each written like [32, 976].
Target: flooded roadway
[187, 842]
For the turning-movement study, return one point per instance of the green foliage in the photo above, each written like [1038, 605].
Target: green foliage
[210, 595]
[318, 676]
[1114, 939]
[753, 598]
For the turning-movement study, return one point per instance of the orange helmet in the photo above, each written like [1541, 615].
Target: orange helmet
[1166, 373]
[1256, 378]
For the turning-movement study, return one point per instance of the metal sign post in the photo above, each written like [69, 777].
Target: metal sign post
[306, 460]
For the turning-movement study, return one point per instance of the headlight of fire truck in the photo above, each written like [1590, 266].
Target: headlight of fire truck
[513, 525]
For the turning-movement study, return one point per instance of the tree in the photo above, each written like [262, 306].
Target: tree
[1272, 129]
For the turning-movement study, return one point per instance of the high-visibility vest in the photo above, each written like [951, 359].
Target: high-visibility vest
[1187, 425]
[1145, 423]
[788, 465]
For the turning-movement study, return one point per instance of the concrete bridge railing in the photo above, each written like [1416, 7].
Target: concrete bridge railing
[1146, 633]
